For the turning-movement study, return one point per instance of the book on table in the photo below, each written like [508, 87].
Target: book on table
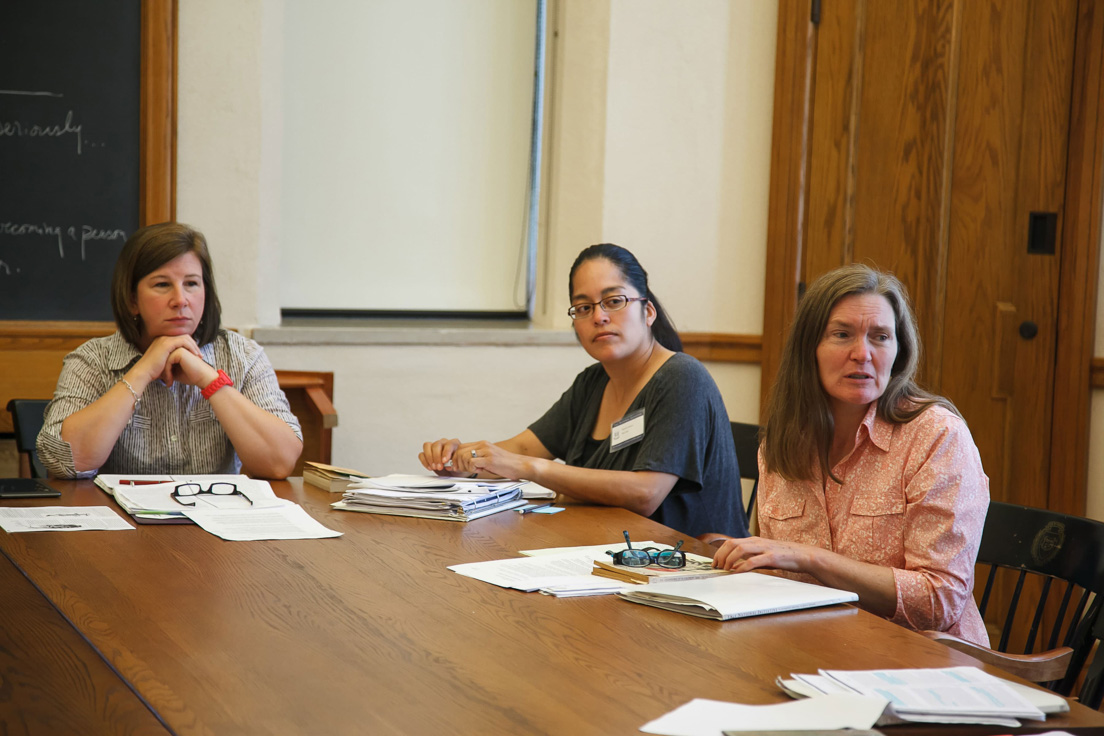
[697, 567]
[736, 596]
[431, 497]
[330, 477]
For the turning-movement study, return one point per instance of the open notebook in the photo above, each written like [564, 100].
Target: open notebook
[736, 596]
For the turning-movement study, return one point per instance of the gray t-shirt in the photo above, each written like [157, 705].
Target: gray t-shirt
[686, 433]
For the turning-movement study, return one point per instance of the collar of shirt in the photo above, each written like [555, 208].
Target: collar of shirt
[120, 353]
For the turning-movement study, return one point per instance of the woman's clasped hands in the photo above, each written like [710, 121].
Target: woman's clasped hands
[173, 358]
[451, 457]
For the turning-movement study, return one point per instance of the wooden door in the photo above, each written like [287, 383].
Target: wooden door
[938, 128]
[957, 143]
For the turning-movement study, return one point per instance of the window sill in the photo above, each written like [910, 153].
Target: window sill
[323, 331]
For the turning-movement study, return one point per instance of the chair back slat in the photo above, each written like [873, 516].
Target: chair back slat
[1037, 619]
[1057, 630]
[989, 580]
[1010, 619]
[1078, 615]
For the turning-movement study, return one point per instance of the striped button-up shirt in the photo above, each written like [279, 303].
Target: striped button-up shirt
[173, 430]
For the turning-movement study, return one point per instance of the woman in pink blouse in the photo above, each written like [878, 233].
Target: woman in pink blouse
[868, 483]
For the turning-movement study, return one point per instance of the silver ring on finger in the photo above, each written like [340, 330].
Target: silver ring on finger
[473, 453]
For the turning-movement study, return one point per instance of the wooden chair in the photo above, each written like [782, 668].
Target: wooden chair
[1052, 548]
[746, 437]
[310, 394]
[26, 416]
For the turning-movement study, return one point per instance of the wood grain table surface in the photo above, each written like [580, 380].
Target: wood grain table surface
[369, 633]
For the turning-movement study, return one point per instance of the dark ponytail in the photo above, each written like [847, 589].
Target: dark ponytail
[663, 329]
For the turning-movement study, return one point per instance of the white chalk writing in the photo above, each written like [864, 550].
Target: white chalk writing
[87, 234]
[16, 129]
[28, 228]
[30, 93]
[90, 233]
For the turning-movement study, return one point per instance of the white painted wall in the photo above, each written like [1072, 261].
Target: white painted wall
[697, 227]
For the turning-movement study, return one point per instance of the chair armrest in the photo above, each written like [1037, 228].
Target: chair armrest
[321, 403]
[1041, 667]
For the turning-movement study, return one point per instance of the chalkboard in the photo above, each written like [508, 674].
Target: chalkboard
[70, 88]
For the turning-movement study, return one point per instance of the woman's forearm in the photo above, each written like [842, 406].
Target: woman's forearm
[267, 446]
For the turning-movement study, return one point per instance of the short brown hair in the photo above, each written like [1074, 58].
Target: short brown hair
[799, 426]
[146, 250]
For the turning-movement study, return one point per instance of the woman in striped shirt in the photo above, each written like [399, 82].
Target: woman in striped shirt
[169, 391]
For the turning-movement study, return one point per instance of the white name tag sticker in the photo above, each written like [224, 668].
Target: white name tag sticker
[627, 431]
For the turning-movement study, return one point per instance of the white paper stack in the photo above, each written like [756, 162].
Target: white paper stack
[430, 497]
[955, 695]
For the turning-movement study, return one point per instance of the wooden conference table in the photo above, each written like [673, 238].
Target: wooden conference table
[170, 629]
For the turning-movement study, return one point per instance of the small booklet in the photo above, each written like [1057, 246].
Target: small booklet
[697, 567]
[737, 596]
[330, 477]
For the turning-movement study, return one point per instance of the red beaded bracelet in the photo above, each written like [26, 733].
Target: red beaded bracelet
[215, 385]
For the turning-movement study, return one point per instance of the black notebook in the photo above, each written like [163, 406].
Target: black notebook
[25, 488]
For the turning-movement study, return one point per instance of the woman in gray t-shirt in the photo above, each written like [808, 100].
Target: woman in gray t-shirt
[644, 428]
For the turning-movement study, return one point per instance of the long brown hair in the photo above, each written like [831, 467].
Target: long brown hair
[799, 425]
[145, 251]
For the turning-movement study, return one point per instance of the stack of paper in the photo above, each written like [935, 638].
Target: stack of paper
[949, 695]
[430, 497]
[864, 699]
[258, 513]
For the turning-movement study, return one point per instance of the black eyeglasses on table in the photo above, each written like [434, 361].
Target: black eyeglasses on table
[186, 493]
[648, 556]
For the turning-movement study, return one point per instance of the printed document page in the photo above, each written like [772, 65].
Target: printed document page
[60, 519]
[246, 525]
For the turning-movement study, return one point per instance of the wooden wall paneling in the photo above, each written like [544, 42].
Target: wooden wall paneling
[722, 347]
[838, 86]
[31, 354]
[793, 100]
[1080, 241]
[901, 121]
[157, 177]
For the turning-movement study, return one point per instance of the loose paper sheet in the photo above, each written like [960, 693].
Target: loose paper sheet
[246, 525]
[61, 519]
[702, 717]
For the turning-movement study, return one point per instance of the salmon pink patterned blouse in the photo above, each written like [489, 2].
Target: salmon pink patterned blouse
[914, 499]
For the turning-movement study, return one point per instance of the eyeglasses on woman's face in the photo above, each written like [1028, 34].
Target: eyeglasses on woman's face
[610, 304]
